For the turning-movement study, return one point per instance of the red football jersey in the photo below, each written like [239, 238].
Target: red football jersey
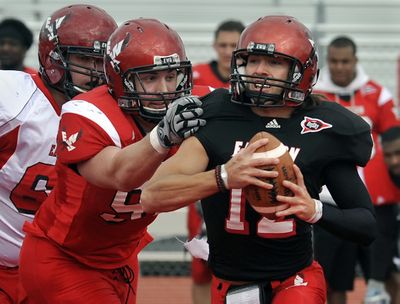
[201, 90]
[375, 104]
[203, 74]
[30, 70]
[100, 227]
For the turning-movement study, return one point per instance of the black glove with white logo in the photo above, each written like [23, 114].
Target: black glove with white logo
[181, 121]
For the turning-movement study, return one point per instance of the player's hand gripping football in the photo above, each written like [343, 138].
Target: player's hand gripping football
[301, 204]
[181, 121]
[243, 169]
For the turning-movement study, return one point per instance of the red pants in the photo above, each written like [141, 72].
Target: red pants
[310, 289]
[201, 274]
[50, 276]
[11, 291]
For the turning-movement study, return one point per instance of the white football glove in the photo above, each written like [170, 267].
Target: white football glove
[181, 121]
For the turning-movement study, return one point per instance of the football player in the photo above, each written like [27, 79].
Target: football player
[110, 141]
[344, 81]
[251, 256]
[215, 74]
[71, 46]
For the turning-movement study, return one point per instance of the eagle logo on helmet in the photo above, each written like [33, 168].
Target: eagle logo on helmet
[113, 53]
[52, 27]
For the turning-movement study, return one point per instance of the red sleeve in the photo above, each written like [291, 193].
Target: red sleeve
[387, 116]
[30, 70]
[200, 90]
[79, 138]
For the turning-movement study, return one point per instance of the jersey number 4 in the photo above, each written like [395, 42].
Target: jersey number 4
[266, 228]
[125, 203]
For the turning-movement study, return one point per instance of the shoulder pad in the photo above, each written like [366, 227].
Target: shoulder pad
[344, 121]
[16, 89]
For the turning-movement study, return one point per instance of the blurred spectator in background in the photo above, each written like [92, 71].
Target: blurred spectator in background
[344, 81]
[216, 73]
[15, 40]
[385, 249]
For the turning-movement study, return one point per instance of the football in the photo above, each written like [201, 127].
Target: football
[263, 200]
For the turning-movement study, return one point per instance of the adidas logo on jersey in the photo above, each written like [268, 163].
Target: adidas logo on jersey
[273, 124]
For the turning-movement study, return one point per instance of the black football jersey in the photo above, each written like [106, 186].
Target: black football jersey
[244, 246]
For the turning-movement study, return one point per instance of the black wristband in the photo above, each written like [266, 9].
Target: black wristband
[220, 182]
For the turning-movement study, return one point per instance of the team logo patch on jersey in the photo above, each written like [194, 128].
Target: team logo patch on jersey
[368, 89]
[312, 125]
[68, 142]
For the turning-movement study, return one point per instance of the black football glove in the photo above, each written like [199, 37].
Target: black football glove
[181, 121]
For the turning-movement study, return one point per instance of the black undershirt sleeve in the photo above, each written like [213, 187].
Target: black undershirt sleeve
[353, 218]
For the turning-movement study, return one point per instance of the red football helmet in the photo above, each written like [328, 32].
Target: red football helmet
[279, 37]
[74, 29]
[145, 46]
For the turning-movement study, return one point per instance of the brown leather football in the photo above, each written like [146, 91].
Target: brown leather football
[263, 200]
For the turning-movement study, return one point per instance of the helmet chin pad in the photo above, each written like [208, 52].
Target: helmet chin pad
[260, 99]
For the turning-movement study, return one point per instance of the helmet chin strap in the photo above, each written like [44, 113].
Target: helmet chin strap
[71, 89]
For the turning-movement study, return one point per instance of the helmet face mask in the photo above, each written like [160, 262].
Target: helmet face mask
[154, 104]
[80, 62]
[70, 42]
[140, 55]
[281, 38]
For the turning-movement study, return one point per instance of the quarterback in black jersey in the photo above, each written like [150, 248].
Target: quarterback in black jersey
[251, 256]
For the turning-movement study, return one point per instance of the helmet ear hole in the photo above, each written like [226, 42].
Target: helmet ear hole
[54, 73]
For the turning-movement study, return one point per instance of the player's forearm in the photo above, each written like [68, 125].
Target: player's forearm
[353, 218]
[135, 164]
[357, 225]
[175, 191]
[122, 169]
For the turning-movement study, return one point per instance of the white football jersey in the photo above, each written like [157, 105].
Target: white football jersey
[28, 128]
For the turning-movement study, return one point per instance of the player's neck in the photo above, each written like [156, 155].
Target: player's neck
[279, 112]
[58, 96]
[223, 72]
[145, 125]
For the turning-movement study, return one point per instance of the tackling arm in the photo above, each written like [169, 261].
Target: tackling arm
[180, 180]
[128, 168]
[122, 169]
